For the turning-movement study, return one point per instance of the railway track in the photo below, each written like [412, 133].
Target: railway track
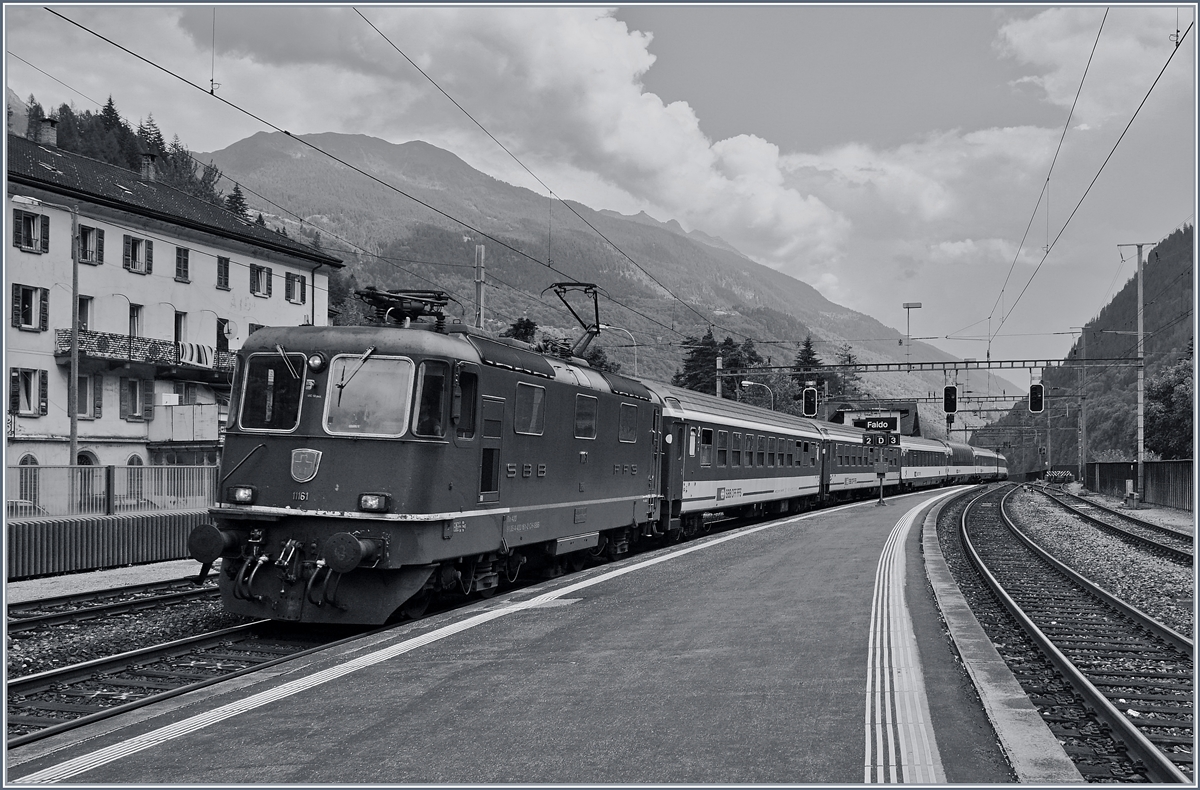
[1176, 545]
[77, 607]
[59, 700]
[1132, 674]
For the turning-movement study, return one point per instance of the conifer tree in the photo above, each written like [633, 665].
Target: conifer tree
[235, 201]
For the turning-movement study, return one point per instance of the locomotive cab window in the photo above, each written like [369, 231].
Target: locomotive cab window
[431, 399]
[530, 417]
[271, 392]
[586, 408]
[627, 428]
[369, 395]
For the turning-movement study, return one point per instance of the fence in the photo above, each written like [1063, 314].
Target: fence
[1168, 483]
[55, 491]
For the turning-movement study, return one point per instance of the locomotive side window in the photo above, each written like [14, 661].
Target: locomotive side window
[530, 417]
[271, 392]
[627, 429]
[462, 412]
[586, 408]
[431, 399]
[368, 395]
[736, 450]
[722, 448]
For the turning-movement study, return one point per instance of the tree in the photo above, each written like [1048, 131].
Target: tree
[151, 137]
[260, 220]
[1169, 399]
[596, 357]
[700, 364]
[850, 380]
[807, 368]
[522, 329]
[235, 202]
[33, 124]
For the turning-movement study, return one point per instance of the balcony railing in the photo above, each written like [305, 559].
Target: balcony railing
[49, 491]
[147, 350]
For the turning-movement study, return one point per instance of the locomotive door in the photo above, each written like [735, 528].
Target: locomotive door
[489, 459]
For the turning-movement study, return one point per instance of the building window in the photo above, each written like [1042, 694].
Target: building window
[139, 255]
[135, 320]
[252, 328]
[27, 480]
[295, 288]
[223, 273]
[91, 245]
[28, 392]
[137, 399]
[186, 390]
[30, 308]
[85, 313]
[181, 264]
[31, 232]
[180, 327]
[89, 390]
[260, 280]
[222, 343]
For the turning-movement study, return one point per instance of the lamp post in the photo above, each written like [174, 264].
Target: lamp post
[908, 308]
[764, 386]
[631, 337]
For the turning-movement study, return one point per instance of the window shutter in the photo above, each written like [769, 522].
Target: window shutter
[45, 233]
[16, 305]
[43, 393]
[97, 396]
[99, 245]
[149, 257]
[179, 262]
[148, 399]
[268, 270]
[44, 313]
[253, 277]
[289, 290]
[124, 399]
[18, 226]
[303, 289]
[14, 391]
[128, 244]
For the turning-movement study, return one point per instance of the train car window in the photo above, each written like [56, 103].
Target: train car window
[368, 396]
[627, 426]
[462, 412]
[791, 457]
[722, 448]
[586, 408]
[431, 399]
[736, 450]
[706, 446]
[762, 451]
[692, 443]
[530, 417]
[748, 446]
[771, 451]
[271, 392]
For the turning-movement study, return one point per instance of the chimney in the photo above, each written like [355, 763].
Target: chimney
[148, 166]
[48, 134]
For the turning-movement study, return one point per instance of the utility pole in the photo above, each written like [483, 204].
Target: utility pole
[479, 286]
[1141, 380]
[1083, 409]
[73, 386]
[719, 360]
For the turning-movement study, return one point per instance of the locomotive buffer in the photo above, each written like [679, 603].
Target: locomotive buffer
[881, 432]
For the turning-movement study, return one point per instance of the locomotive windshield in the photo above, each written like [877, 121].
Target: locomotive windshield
[375, 396]
[271, 394]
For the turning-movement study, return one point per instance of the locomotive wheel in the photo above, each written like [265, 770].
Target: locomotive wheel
[415, 607]
[488, 593]
[576, 560]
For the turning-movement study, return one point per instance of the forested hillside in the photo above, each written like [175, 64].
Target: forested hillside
[1111, 388]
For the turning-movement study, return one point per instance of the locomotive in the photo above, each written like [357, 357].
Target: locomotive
[367, 470]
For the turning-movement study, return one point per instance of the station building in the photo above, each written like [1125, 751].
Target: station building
[169, 286]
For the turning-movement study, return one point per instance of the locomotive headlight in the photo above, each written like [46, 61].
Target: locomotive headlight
[373, 503]
[241, 495]
[316, 362]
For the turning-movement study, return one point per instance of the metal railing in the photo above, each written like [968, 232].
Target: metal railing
[57, 491]
[149, 350]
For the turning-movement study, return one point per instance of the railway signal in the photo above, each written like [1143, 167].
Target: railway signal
[1037, 398]
[810, 402]
[950, 399]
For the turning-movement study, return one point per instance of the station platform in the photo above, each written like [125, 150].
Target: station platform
[813, 649]
[91, 581]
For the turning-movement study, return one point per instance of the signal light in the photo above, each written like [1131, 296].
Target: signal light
[1037, 398]
[950, 399]
[810, 402]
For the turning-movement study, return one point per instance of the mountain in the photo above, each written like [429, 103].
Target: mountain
[1111, 387]
[412, 242]
[18, 112]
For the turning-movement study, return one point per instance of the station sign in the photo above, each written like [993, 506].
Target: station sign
[878, 423]
[881, 439]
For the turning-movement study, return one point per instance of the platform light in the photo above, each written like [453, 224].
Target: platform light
[1037, 398]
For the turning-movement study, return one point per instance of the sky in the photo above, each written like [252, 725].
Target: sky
[883, 154]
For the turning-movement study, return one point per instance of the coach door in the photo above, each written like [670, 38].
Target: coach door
[672, 465]
[489, 459]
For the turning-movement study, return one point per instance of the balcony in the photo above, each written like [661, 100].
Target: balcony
[105, 350]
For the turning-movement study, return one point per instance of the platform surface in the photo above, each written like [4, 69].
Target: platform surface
[808, 650]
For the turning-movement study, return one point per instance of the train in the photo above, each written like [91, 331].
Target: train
[368, 470]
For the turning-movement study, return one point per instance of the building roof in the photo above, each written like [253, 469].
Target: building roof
[75, 176]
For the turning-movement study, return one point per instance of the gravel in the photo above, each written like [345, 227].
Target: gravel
[31, 652]
[1159, 587]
